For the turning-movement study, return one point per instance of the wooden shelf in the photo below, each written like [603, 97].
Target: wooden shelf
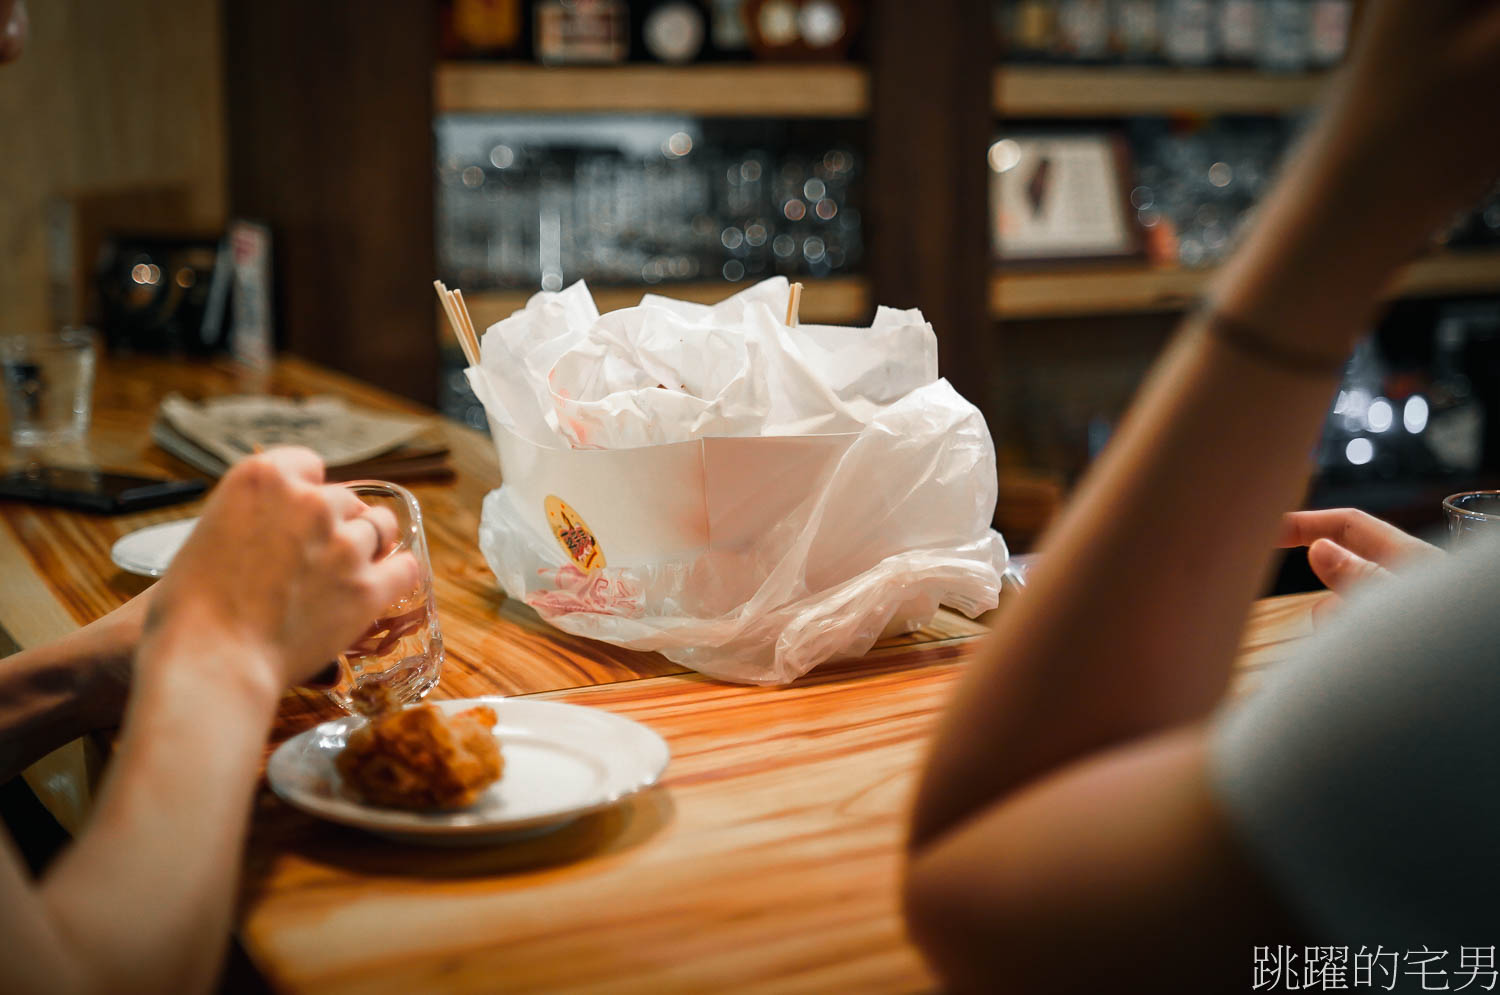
[1061, 91]
[1138, 289]
[835, 90]
[836, 301]
[1476, 271]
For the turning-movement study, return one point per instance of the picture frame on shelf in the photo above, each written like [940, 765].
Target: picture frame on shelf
[1061, 196]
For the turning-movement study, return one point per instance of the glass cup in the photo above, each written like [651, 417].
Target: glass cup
[1471, 514]
[49, 386]
[400, 657]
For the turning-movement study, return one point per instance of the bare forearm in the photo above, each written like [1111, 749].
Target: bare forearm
[1132, 621]
[55, 693]
[145, 896]
[280, 573]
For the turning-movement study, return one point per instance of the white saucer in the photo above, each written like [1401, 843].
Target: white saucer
[149, 551]
[561, 762]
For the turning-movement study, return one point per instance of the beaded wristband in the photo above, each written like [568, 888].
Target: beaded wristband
[1251, 342]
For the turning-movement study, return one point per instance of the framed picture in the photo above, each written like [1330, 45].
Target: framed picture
[1060, 196]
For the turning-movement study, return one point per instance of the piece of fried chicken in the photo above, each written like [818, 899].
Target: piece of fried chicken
[419, 758]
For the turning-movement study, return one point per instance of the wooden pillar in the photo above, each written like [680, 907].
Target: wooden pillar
[930, 126]
[330, 143]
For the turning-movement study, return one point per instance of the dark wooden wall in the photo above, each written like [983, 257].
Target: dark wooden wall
[330, 142]
[930, 125]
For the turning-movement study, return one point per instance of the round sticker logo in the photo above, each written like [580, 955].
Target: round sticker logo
[574, 535]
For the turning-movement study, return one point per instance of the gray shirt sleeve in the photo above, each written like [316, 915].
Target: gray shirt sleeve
[1364, 774]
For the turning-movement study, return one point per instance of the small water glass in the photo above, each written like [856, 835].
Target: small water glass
[1471, 514]
[400, 657]
[49, 386]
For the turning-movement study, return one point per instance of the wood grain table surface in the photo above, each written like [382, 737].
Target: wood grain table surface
[765, 860]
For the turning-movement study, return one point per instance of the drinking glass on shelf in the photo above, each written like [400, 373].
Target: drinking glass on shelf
[1472, 514]
[400, 656]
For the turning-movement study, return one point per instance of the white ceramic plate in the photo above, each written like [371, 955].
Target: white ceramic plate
[149, 551]
[561, 762]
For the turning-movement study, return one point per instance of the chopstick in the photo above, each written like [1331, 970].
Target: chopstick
[459, 320]
[793, 305]
[463, 312]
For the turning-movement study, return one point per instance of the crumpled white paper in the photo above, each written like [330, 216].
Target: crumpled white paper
[894, 522]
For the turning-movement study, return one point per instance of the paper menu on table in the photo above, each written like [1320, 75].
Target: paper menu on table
[231, 428]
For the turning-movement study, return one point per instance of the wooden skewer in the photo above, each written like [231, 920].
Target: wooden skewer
[465, 323]
[458, 325]
[793, 305]
[463, 312]
[442, 293]
[460, 331]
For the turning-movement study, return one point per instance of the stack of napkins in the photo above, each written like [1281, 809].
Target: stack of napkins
[215, 434]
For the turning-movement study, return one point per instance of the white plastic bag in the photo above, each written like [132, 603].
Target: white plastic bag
[749, 499]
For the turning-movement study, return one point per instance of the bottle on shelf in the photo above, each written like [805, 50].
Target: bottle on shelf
[727, 36]
[1329, 32]
[581, 32]
[1031, 30]
[491, 29]
[672, 31]
[1188, 32]
[1135, 31]
[1286, 36]
[1239, 31]
[801, 29]
[1083, 30]
[1272, 35]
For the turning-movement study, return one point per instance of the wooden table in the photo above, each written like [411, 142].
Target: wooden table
[765, 860]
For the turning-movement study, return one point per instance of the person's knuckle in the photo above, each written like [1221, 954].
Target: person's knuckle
[1350, 522]
[310, 510]
[344, 551]
[413, 570]
[385, 522]
[258, 472]
[365, 592]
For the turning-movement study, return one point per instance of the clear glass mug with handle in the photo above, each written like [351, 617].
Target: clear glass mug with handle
[400, 657]
[1471, 515]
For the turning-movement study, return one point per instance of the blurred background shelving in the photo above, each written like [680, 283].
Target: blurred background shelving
[506, 167]
[1204, 98]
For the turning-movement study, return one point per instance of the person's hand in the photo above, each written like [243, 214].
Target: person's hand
[282, 568]
[1417, 84]
[1347, 548]
[1404, 141]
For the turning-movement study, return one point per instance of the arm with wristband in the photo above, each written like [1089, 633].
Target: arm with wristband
[1066, 801]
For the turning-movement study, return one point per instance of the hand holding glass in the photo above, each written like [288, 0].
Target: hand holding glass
[399, 658]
